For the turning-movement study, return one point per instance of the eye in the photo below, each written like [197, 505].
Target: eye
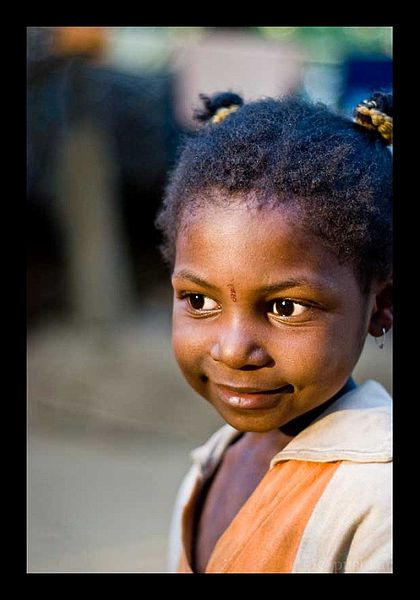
[199, 302]
[287, 308]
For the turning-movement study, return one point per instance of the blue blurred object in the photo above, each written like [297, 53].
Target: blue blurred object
[361, 77]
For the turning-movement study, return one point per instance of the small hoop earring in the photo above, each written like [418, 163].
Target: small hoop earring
[380, 340]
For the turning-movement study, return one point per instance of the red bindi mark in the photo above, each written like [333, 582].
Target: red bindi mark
[232, 292]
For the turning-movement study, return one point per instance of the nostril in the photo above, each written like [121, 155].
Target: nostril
[234, 352]
[269, 363]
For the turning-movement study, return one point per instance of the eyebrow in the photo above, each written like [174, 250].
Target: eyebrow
[291, 283]
[272, 287]
[186, 274]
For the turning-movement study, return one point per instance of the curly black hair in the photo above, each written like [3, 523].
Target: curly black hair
[290, 150]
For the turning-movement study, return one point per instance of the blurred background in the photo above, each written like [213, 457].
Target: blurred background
[111, 421]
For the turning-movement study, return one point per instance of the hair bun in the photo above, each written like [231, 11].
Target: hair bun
[376, 114]
[217, 107]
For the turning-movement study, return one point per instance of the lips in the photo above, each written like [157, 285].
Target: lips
[252, 398]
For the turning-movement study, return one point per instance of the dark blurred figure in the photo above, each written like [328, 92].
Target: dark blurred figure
[100, 142]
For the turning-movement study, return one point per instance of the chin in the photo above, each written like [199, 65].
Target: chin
[254, 428]
[251, 422]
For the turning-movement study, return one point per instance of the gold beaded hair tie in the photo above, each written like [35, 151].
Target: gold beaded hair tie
[368, 115]
[222, 112]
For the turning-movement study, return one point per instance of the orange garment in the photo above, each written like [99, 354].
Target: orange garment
[324, 505]
[286, 495]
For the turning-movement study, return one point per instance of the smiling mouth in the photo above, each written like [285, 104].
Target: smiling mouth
[252, 398]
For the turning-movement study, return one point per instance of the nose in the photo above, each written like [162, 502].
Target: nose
[237, 347]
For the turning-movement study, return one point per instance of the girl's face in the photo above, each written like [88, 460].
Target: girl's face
[267, 324]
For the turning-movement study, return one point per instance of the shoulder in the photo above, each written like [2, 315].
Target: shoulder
[204, 460]
[367, 489]
[350, 529]
[208, 455]
[365, 486]
[356, 493]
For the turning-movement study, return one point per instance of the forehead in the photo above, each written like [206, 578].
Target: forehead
[253, 246]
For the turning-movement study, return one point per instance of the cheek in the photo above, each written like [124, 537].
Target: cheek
[189, 347]
[315, 355]
[189, 354]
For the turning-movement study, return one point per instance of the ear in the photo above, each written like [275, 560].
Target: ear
[382, 312]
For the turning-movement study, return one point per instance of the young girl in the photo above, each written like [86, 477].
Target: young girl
[277, 226]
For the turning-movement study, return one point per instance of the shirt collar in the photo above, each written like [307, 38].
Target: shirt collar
[357, 427]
